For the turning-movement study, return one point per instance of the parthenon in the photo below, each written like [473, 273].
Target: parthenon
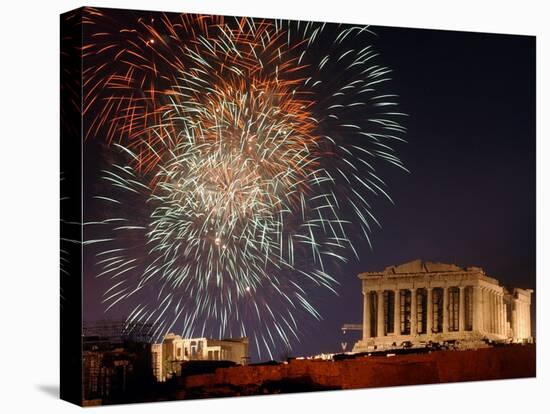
[422, 301]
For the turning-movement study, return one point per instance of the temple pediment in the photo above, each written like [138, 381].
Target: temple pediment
[421, 266]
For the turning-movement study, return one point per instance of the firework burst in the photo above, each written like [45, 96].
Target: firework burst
[245, 156]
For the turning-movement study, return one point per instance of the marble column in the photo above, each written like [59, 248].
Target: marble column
[366, 315]
[477, 309]
[486, 309]
[514, 319]
[461, 310]
[504, 318]
[487, 301]
[380, 314]
[525, 318]
[521, 320]
[429, 310]
[528, 332]
[397, 313]
[445, 309]
[481, 314]
[491, 314]
[518, 318]
[488, 296]
[494, 308]
[500, 315]
[497, 314]
[414, 329]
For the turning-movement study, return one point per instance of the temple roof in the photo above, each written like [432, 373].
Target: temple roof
[422, 266]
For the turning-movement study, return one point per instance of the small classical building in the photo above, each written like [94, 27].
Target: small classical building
[424, 301]
[168, 355]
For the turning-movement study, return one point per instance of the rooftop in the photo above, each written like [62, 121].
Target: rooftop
[421, 266]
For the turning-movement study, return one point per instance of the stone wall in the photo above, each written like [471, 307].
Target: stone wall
[381, 371]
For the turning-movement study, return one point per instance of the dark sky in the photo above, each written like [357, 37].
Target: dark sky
[470, 197]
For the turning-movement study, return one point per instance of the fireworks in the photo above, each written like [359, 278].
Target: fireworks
[244, 156]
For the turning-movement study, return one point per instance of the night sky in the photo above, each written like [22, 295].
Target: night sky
[470, 196]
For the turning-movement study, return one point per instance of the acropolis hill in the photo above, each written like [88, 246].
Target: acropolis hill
[300, 375]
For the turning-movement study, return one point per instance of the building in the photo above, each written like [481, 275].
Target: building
[419, 302]
[168, 356]
[114, 371]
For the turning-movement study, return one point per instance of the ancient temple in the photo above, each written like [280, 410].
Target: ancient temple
[422, 301]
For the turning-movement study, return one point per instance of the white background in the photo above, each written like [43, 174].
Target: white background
[29, 162]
